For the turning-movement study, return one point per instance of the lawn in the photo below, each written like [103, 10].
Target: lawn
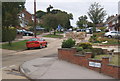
[21, 45]
[114, 60]
[53, 36]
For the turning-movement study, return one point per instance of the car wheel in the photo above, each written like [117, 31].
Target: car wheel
[46, 45]
[109, 36]
[27, 34]
[28, 48]
[40, 46]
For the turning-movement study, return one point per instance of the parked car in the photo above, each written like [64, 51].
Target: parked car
[89, 31]
[98, 30]
[112, 34]
[36, 42]
[81, 30]
[25, 33]
[28, 33]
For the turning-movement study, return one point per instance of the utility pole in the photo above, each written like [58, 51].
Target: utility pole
[35, 18]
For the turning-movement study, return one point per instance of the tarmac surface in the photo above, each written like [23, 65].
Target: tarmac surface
[52, 68]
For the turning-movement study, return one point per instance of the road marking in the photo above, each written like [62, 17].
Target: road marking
[8, 67]
[12, 65]
[3, 67]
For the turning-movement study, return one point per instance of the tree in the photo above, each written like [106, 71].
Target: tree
[82, 21]
[96, 13]
[50, 21]
[90, 24]
[59, 18]
[48, 9]
[40, 13]
[10, 18]
[10, 12]
[64, 18]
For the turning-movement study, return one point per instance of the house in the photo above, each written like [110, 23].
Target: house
[113, 22]
[25, 18]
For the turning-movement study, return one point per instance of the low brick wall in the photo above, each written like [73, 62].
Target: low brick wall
[101, 66]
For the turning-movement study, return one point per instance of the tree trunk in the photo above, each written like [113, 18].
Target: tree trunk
[54, 32]
[10, 43]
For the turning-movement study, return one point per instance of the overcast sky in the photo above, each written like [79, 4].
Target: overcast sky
[76, 7]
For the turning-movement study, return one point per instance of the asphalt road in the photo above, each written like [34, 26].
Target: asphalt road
[11, 60]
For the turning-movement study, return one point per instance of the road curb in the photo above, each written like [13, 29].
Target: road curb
[23, 72]
[27, 75]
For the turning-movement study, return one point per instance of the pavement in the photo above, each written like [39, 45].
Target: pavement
[52, 68]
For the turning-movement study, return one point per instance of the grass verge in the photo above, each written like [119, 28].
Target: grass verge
[21, 45]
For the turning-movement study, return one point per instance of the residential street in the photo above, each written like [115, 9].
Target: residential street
[12, 60]
[60, 39]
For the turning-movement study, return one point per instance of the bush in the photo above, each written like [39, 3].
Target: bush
[8, 33]
[68, 43]
[95, 51]
[93, 38]
[85, 45]
[79, 49]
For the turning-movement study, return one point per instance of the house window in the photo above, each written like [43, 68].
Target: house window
[23, 15]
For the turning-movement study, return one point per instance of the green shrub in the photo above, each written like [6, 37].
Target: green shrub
[92, 38]
[79, 49]
[85, 45]
[68, 43]
[8, 33]
[95, 51]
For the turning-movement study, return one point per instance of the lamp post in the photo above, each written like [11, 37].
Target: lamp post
[35, 18]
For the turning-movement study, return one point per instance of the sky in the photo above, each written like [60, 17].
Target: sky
[76, 7]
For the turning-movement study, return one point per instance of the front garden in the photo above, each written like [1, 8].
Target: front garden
[98, 38]
[97, 53]
[85, 55]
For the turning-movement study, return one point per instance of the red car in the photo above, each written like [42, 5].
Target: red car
[36, 42]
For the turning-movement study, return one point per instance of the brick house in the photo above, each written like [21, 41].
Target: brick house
[113, 22]
[25, 18]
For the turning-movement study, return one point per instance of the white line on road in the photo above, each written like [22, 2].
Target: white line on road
[3, 67]
[8, 67]
[12, 66]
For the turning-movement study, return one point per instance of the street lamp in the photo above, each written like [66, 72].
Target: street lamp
[35, 18]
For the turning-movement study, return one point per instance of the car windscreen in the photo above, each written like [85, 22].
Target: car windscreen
[33, 39]
[41, 39]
